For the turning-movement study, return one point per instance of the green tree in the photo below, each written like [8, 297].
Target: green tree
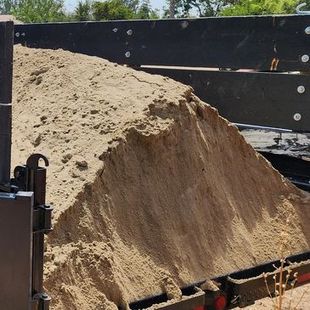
[83, 11]
[133, 5]
[201, 8]
[7, 5]
[145, 11]
[261, 7]
[112, 10]
[38, 11]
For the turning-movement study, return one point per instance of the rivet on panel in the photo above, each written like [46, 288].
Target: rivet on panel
[297, 117]
[301, 89]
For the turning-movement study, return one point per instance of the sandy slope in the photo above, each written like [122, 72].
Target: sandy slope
[151, 188]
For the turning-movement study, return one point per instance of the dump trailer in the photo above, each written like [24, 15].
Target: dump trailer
[254, 70]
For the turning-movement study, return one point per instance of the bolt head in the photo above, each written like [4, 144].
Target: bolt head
[301, 89]
[127, 54]
[17, 34]
[114, 29]
[129, 32]
[297, 117]
[307, 30]
[305, 58]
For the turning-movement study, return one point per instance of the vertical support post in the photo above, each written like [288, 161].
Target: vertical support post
[6, 68]
[36, 183]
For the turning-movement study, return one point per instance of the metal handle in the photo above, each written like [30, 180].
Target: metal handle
[302, 12]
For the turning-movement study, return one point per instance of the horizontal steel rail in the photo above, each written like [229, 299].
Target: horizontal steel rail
[243, 287]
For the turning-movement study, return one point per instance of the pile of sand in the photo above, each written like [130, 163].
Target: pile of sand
[152, 189]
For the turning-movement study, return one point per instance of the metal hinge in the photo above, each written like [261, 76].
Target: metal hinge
[41, 301]
[42, 219]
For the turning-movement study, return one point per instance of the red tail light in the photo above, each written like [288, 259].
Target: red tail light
[199, 308]
[303, 278]
[220, 302]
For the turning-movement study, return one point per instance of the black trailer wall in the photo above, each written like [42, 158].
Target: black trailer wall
[6, 60]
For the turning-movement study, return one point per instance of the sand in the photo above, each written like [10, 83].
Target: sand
[152, 189]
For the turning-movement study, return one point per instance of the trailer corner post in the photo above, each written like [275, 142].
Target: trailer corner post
[6, 70]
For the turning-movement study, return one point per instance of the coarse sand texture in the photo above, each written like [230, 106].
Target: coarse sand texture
[152, 189]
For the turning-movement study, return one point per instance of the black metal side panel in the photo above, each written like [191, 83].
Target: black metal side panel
[260, 43]
[296, 170]
[15, 250]
[6, 59]
[265, 99]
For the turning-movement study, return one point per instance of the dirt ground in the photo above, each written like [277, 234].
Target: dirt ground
[152, 189]
[299, 298]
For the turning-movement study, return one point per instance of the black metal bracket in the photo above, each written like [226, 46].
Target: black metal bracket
[42, 219]
[41, 301]
[32, 178]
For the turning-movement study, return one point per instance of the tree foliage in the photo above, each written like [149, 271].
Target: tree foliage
[200, 8]
[145, 11]
[30, 11]
[7, 5]
[204, 8]
[111, 10]
[83, 11]
[261, 7]
[53, 10]
[39, 11]
[123, 9]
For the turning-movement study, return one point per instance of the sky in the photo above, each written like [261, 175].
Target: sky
[156, 4]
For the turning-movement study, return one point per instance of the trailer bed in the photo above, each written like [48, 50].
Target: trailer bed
[238, 289]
